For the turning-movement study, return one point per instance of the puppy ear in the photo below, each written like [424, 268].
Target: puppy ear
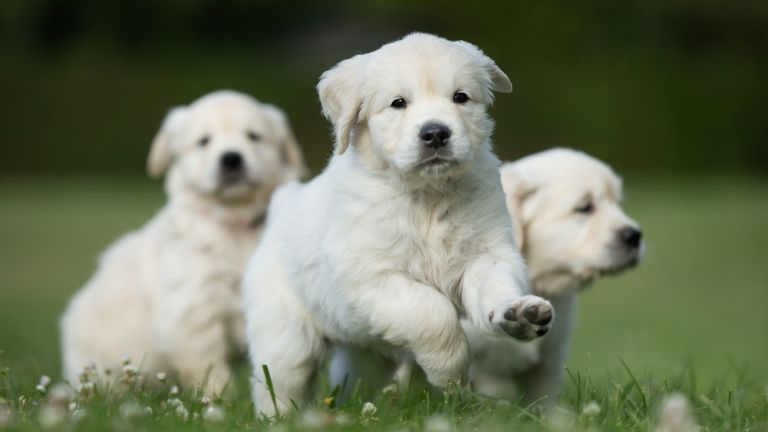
[288, 146]
[499, 79]
[516, 191]
[340, 98]
[161, 152]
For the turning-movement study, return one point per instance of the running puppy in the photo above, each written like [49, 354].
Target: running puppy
[404, 233]
[168, 295]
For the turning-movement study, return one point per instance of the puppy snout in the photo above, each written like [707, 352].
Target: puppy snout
[434, 135]
[232, 161]
[631, 236]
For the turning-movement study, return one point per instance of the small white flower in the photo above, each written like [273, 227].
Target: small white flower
[182, 413]
[72, 406]
[205, 400]
[437, 423]
[213, 414]
[160, 376]
[174, 390]
[368, 410]
[591, 409]
[40, 388]
[45, 380]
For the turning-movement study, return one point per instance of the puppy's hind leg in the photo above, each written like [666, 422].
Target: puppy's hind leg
[283, 341]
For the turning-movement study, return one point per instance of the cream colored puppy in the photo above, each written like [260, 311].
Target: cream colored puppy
[404, 232]
[168, 295]
[566, 209]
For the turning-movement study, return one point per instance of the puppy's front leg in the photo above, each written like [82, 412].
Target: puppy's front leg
[196, 346]
[494, 296]
[410, 314]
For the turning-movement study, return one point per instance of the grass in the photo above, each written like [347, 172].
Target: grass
[689, 320]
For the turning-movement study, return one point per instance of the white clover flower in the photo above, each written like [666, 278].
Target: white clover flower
[437, 423]
[174, 390]
[72, 406]
[45, 380]
[368, 410]
[205, 400]
[40, 388]
[213, 414]
[182, 413]
[160, 376]
[591, 409]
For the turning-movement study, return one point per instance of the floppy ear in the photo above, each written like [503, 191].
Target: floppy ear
[499, 80]
[161, 153]
[516, 191]
[340, 98]
[288, 146]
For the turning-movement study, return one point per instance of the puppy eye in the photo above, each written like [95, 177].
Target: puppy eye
[398, 103]
[253, 136]
[460, 97]
[204, 140]
[585, 208]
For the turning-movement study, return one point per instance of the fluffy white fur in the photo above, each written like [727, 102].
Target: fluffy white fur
[566, 247]
[168, 295]
[394, 241]
[566, 209]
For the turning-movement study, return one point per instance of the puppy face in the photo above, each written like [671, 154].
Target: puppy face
[566, 208]
[226, 144]
[417, 105]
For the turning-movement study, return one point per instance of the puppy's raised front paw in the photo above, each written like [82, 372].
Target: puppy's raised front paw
[528, 317]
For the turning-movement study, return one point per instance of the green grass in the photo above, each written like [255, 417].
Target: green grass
[690, 319]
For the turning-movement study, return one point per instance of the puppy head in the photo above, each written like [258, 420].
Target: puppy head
[566, 209]
[417, 105]
[226, 144]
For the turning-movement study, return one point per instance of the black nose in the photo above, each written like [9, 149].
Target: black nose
[434, 135]
[232, 161]
[631, 236]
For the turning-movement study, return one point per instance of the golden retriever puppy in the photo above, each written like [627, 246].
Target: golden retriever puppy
[168, 295]
[566, 209]
[404, 233]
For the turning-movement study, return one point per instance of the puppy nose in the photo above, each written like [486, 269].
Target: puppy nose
[434, 135]
[232, 161]
[631, 236]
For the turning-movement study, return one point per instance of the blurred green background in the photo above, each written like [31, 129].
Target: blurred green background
[671, 93]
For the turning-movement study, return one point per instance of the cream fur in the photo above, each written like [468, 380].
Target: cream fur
[565, 250]
[167, 296]
[392, 244]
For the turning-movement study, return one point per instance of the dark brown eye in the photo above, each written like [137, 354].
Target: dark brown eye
[204, 140]
[253, 136]
[585, 208]
[460, 97]
[398, 103]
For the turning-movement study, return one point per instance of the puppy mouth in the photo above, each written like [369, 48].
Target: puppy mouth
[437, 163]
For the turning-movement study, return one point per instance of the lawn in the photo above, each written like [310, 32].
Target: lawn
[691, 318]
